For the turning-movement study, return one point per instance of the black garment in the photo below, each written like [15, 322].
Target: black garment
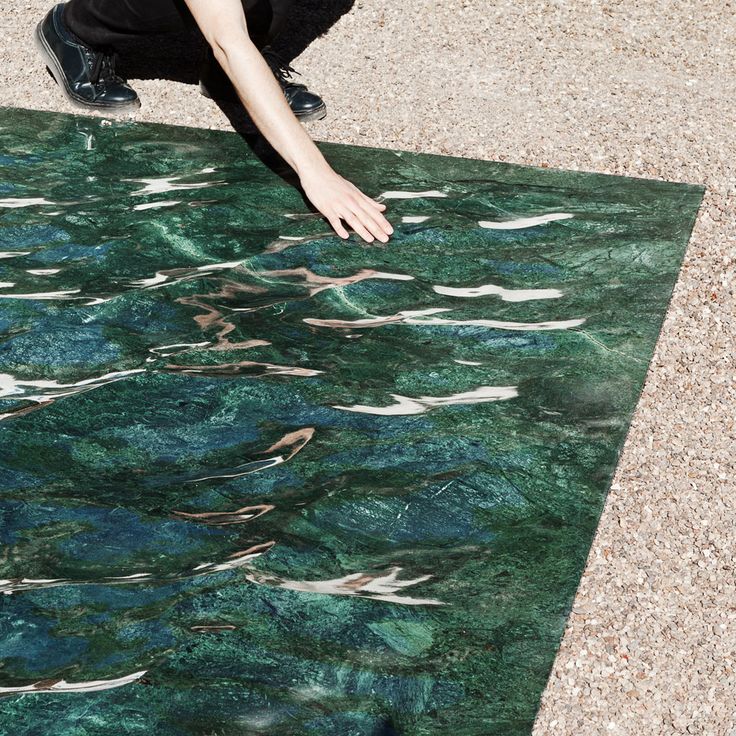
[108, 23]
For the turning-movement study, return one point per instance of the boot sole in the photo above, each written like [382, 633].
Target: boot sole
[58, 74]
[319, 113]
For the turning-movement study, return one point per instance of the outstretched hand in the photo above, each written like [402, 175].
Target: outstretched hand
[340, 202]
[225, 27]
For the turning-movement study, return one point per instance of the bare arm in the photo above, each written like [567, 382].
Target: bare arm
[224, 26]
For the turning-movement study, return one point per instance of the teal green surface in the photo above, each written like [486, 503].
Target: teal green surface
[307, 486]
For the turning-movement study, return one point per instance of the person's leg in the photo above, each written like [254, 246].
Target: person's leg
[259, 19]
[76, 40]
[280, 10]
[107, 23]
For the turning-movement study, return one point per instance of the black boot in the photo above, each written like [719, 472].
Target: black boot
[306, 105]
[86, 75]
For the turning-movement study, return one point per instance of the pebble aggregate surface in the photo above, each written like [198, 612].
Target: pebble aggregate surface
[619, 87]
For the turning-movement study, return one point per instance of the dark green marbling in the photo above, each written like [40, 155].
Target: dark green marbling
[485, 510]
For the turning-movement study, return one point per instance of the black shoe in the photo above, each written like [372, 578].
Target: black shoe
[87, 76]
[306, 105]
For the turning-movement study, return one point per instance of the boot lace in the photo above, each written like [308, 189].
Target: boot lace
[102, 66]
[281, 69]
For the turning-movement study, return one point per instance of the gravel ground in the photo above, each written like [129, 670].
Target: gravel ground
[621, 87]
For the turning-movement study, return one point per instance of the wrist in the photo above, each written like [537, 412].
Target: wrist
[311, 164]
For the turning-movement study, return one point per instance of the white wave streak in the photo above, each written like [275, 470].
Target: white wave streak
[239, 559]
[50, 390]
[177, 275]
[253, 467]
[43, 271]
[412, 195]
[156, 205]
[294, 441]
[414, 219]
[68, 294]
[13, 203]
[176, 348]
[62, 686]
[233, 562]
[89, 140]
[406, 406]
[302, 215]
[14, 253]
[508, 295]
[316, 283]
[525, 222]
[379, 587]
[421, 318]
[226, 518]
[163, 184]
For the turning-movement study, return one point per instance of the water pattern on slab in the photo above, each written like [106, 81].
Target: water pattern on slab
[259, 480]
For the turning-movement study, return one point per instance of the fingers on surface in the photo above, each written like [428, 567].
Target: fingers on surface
[338, 227]
[376, 223]
[356, 223]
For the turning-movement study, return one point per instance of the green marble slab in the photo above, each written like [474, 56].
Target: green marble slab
[258, 480]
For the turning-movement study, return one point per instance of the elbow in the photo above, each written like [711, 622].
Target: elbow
[225, 42]
[220, 54]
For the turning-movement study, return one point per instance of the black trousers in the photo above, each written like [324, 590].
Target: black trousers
[109, 23]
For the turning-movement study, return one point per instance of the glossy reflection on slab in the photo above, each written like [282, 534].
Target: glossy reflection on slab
[259, 480]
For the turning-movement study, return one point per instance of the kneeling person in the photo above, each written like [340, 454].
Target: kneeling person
[77, 40]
